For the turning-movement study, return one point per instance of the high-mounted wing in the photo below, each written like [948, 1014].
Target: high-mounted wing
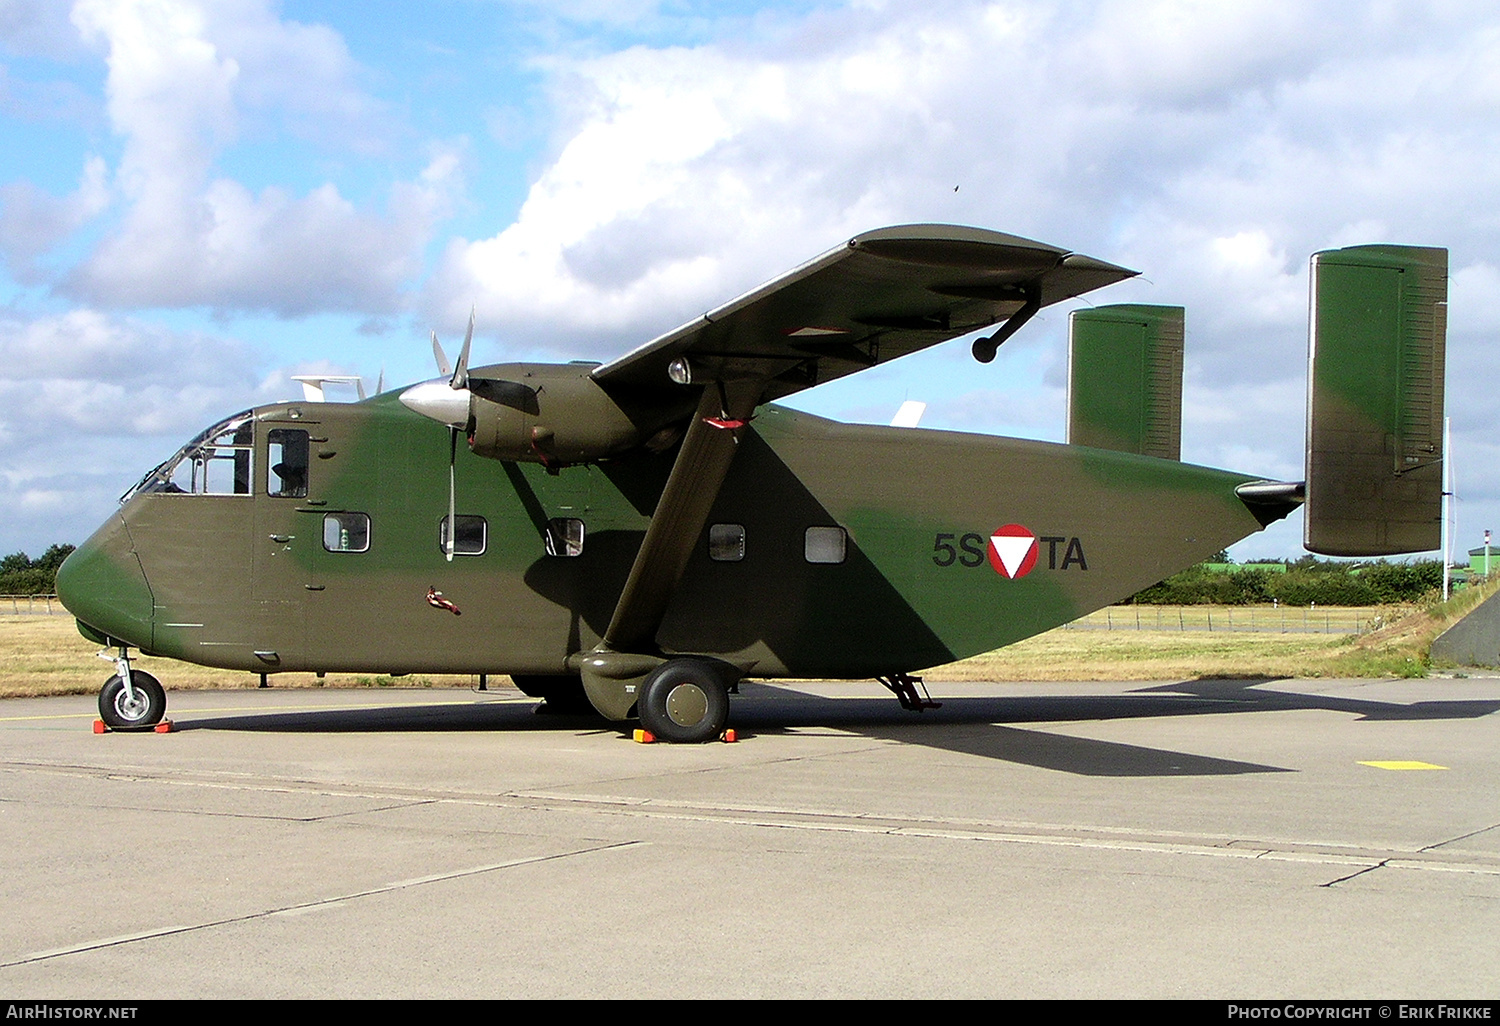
[881, 295]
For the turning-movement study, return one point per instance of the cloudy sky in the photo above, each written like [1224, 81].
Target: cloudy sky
[199, 198]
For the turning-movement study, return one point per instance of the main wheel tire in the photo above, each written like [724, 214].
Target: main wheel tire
[562, 694]
[120, 712]
[685, 701]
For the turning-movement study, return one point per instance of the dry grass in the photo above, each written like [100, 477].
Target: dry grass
[1399, 648]
[1150, 655]
[45, 655]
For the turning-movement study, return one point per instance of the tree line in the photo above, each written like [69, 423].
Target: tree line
[1305, 581]
[22, 575]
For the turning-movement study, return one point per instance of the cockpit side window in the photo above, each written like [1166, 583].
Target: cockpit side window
[287, 455]
[217, 462]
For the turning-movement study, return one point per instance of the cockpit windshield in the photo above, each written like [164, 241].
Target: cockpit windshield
[216, 462]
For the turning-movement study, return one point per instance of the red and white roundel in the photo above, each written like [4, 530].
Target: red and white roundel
[1012, 550]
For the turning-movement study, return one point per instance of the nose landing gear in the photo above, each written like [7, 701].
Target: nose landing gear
[131, 699]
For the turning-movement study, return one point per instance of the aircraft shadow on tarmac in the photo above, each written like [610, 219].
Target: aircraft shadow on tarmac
[974, 726]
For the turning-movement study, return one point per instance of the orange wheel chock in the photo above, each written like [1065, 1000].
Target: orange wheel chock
[730, 737]
[644, 737]
[164, 727]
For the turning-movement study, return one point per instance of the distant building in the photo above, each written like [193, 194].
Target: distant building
[1484, 560]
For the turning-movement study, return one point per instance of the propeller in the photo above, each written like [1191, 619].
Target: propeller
[452, 496]
[460, 377]
[458, 382]
[450, 407]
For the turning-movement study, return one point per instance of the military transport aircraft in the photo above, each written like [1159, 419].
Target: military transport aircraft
[642, 534]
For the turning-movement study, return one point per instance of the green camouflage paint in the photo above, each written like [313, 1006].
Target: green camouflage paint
[896, 602]
[1375, 413]
[1125, 379]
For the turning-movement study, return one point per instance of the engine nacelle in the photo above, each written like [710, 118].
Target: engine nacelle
[546, 413]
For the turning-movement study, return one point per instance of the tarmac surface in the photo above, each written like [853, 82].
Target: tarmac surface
[1219, 839]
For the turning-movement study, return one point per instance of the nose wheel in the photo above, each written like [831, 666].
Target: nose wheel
[140, 707]
[131, 699]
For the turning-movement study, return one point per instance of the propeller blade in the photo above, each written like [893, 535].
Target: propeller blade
[506, 393]
[442, 358]
[452, 520]
[461, 372]
[380, 382]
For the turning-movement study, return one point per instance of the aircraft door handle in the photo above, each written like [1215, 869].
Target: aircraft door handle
[282, 539]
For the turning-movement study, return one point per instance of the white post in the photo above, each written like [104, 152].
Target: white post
[1447, 505]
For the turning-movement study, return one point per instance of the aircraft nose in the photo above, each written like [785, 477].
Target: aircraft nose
[102, 584]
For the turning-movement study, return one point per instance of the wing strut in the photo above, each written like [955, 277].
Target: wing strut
[707, 450]
[615, 670]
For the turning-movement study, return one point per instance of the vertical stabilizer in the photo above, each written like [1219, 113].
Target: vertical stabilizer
[1375, 400]
[1125, 379]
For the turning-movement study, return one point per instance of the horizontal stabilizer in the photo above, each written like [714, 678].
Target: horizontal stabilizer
[312, 384]
[1125, 379]
[1375, 405]
[910, 414]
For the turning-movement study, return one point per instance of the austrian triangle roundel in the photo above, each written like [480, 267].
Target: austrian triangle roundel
[1012, 551]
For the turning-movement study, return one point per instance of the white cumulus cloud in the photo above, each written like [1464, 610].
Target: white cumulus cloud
[184, 78]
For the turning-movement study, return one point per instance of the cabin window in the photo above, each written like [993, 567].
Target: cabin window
[470, 539]
[287, 454]
[346, 532]
[217, 462]
[564, 537]
[825, 544]
[726, 543]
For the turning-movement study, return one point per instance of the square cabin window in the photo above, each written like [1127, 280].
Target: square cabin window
[825, 544]
[470, 539]
[726, 543]
[346, 532]
[564, 537]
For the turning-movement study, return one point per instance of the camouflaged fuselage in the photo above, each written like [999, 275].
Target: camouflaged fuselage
[247, 581]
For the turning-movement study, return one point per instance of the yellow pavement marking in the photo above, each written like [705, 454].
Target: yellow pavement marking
[260, 708]
[1398, 764]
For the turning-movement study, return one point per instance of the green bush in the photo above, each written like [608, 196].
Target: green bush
[1198, 585]
[1308, 580]
[1403, 582]
[1301, 587]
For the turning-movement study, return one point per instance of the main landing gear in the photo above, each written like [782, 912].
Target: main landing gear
[131, 699]
[685, 701]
